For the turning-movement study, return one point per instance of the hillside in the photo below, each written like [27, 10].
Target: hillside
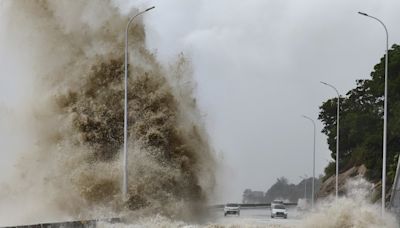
[361, 125]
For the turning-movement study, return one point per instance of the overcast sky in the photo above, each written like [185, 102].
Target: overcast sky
[258, 66]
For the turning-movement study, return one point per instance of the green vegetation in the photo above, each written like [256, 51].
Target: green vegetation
[361, 122]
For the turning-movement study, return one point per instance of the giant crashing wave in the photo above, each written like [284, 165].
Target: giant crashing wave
[77, 119]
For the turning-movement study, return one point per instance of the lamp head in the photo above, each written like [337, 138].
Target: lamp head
[150, 8]
[364, 14]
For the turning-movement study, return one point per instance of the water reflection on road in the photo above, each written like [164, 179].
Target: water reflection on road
[256, 217]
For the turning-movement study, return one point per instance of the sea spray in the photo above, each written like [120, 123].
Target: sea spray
[73, 52]
[354, 209]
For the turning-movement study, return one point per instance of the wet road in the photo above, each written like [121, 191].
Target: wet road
[257, 217]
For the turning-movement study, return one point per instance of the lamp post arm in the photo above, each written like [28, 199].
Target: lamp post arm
[333, 87]
[381, 22]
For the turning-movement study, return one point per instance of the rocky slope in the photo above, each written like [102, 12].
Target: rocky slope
[328, 186]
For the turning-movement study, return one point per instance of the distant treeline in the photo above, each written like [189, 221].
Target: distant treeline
[361, 122]
[281, 190]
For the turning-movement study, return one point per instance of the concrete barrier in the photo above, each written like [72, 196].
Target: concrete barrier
[70, 224]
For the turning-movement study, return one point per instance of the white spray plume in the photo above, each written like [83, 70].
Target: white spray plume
[70, 56]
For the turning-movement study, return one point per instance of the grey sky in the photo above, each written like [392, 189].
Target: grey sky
[257, 64]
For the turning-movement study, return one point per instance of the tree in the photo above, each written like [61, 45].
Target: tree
[361, 121]
[250, 196]
[283, 190]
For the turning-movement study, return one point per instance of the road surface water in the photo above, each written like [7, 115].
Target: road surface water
[258, 218]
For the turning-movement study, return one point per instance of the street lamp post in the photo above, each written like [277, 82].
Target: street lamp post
[305, 186]
[313, 180]
[384, 112]
[125, 158]
[337, 139]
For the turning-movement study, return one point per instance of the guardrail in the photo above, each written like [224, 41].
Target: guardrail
[252, 205]
[69, 224]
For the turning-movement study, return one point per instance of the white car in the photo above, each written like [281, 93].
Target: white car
[278, 210]
[276, 202]
[232, 208]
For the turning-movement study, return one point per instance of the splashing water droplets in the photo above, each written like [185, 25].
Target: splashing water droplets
[76, 118]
